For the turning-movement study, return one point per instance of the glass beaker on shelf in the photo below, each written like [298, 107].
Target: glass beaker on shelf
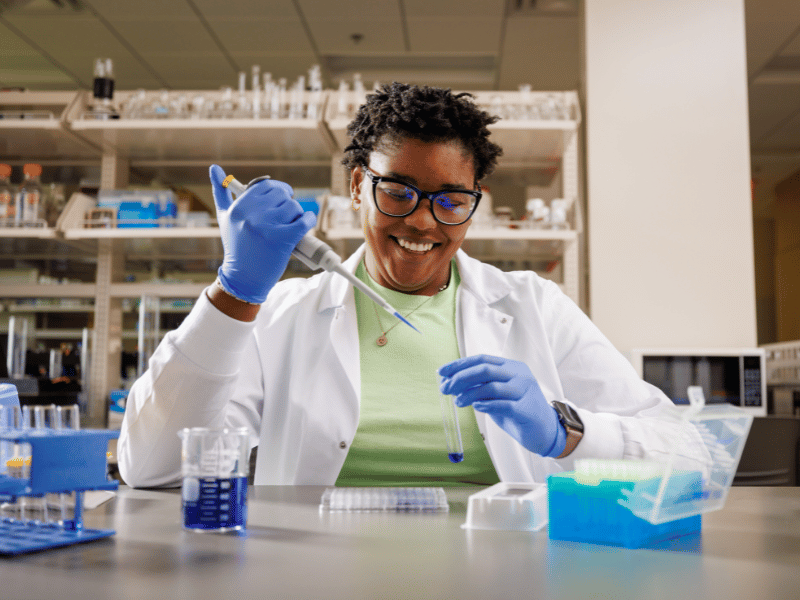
[28, 205]
[538, 213]
[558, 214]
[503, 215]
[7, 206]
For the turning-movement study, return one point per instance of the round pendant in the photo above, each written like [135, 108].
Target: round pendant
[381, 341]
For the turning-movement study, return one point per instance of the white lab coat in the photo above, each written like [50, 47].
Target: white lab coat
[292, 377]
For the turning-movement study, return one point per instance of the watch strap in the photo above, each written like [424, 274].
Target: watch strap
[572, 425]
[573, 437]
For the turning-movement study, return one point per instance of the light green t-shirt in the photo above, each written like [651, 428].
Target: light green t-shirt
[400, 437]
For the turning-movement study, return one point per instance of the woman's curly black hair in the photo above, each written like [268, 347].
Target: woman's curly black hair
[429, 114]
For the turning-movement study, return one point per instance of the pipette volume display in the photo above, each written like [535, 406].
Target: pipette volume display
[316, 254]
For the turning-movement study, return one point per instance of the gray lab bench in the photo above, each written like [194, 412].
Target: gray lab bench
[750, 549]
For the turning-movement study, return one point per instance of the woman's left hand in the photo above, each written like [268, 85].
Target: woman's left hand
[507, 391]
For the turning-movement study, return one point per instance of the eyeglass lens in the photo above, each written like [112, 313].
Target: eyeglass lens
[398, 200]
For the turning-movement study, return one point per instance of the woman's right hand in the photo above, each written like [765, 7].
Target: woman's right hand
[259, 230]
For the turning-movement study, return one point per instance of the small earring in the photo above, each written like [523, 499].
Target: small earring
[353, 203]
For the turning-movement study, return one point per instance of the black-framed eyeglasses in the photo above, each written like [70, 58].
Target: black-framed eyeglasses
[399, 199]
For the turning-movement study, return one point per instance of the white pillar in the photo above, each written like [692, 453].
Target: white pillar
[668, 168]
[107, 340]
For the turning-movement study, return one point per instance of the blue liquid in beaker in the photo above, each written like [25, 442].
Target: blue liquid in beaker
[455, 457]
[215, 504]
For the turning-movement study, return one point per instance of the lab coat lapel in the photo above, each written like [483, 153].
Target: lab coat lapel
[484, 329]
[481, 328]
[340, 299]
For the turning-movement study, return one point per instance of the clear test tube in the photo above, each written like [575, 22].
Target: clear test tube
[69, 417]
[45, 417]
[279, 100]
[10, 417]
[296, 98]
[269, 85]
[359, 93]
[315, 97]
[341, 99]
[256, 84]
[34, 509]
[241, 106]
[226, 104]
[198, 107]
[452, 431]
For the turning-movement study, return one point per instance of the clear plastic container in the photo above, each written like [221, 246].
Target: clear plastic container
[636, 503]
[508, 506]
[558, 214]
[28, 202]
[10, 418]
[537, 213]
[7, 208]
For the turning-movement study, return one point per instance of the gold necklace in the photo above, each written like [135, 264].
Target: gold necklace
[382, 339]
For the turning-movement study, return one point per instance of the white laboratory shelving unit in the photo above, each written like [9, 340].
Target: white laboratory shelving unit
[528, 143]
[34, 127]
[188, 141]
[73, 136]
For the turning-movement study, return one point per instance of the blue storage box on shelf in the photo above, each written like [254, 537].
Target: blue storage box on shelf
[311, 198]
[141, 208]
[309, 204]
[634, 503]
[116, 408]
[136, 214]
[38, 462]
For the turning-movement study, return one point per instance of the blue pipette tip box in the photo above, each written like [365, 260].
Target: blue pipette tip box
[581, 511]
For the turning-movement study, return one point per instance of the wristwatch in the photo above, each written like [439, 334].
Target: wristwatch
[572, 423]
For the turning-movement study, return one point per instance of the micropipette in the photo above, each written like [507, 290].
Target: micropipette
[316, 254]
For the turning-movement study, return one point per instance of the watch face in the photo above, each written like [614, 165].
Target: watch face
[568, 416]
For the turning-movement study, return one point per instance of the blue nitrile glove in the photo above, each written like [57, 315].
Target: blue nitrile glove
[259, 231]
[506, 390]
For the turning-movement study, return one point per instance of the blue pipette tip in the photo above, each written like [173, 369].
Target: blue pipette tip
[399, 316]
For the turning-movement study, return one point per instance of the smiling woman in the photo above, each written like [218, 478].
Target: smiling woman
[331, 394]
[404, 140]
[412, 253]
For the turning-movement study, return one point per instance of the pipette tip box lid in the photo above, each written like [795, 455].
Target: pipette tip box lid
[508, 506]
[8, 395]
[635, 503]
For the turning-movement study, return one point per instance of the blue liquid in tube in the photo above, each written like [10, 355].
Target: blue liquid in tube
[215, 504]
[452, 432]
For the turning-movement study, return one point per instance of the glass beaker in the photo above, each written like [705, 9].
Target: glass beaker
[215, 465]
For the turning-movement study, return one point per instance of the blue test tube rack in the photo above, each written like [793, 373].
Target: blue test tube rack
[61, 462]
